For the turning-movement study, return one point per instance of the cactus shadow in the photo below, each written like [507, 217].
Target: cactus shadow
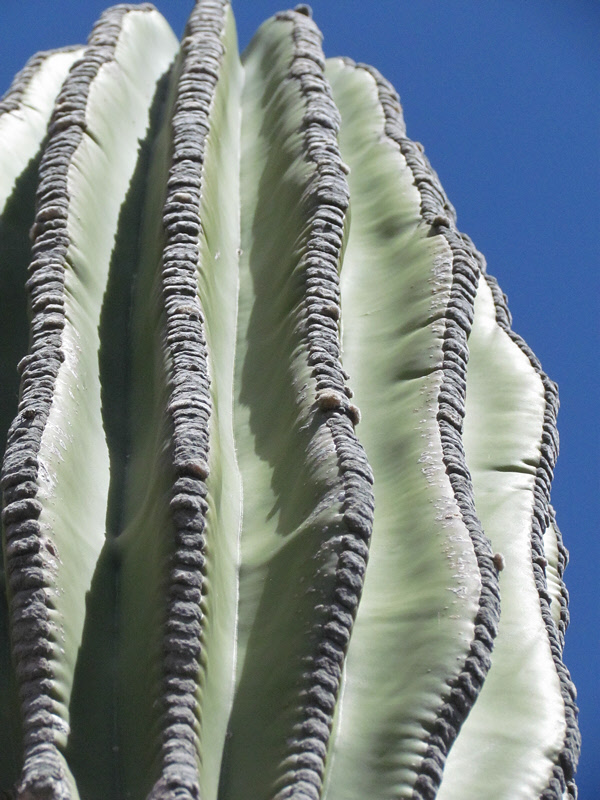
[276, 384]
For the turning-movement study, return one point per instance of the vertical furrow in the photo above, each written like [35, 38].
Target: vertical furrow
[439, 213]
[517, 726]
[308, 500]
[326, 200]
[562, 777]
[190, 403]
[25, 111]
[30, 558]
[51, 551]
[422, 254]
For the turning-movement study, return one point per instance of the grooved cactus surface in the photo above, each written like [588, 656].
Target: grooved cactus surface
[218, 584]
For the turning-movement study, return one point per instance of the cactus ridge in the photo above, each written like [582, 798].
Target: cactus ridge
[326, 199]
[562, 598]
[13, 97]
[437, 211]
[30, 565]
[208, 627]
[562, 778]
[190, 404]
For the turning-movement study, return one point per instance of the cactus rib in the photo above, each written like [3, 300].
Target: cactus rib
[326, 199]
[421, 342]
[562, 778]
[41, 429]
[14, 97]
[323, 498]
[189, 404]
[28, 562]
[437, 212]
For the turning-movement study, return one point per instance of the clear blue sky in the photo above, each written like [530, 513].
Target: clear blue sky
[504, 94]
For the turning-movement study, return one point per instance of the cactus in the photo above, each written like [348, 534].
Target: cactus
[223, 259]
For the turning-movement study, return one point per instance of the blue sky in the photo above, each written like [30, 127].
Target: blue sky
[504, 96]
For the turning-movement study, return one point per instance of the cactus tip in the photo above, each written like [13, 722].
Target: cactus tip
[304, 8]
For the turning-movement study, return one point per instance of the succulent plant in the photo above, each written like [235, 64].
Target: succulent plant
[218, 583]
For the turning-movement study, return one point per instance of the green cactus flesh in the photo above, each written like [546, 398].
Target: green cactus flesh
[208, 265]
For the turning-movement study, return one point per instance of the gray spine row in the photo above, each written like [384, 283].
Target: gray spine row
[326, 201]
[437, 212]
[30, 557]
[13, 97]
[190, 405]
